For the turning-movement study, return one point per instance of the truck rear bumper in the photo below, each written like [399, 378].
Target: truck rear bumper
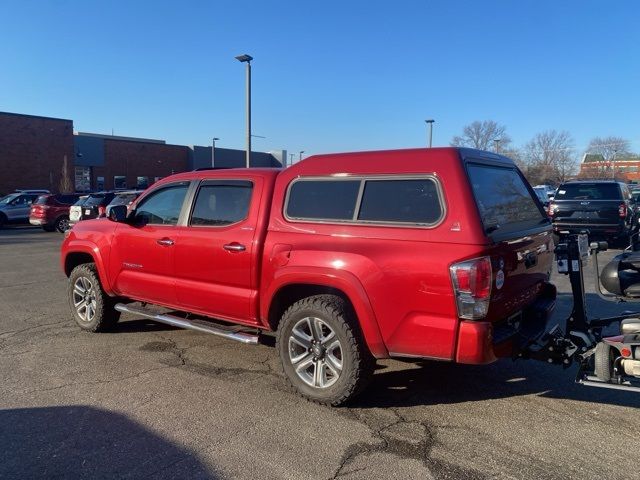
[610, 229]
[484, 342]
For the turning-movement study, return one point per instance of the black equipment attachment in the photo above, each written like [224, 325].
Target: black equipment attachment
[611, 361]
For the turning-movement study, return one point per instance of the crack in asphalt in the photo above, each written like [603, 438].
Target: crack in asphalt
[388, 441]
[98, 382]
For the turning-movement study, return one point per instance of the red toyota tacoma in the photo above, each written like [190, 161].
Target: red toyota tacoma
[439, 253]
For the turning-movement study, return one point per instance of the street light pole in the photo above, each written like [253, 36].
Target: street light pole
[291, 159]
[213, 152]
[430, 122]
[247, 59]
[300, 157]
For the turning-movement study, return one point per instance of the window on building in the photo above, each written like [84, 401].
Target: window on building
[119, 182]
[82, 179]
[163, 206]
[222, 203]
[99, 183]
[142, 183]
[323, 199]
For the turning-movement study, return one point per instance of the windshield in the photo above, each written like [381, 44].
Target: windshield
[95, 200]
[81, 201]
[9, 198]
[503, 199]
[589, 191]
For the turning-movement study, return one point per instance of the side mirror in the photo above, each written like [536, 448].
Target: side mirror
[118, 213]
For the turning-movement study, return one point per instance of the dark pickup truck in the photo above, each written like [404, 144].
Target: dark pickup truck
[604, 207]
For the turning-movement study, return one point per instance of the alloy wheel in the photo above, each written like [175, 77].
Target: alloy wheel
[315, 352]
[84, 299]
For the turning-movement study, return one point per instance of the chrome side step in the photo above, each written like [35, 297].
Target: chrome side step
[232, 333]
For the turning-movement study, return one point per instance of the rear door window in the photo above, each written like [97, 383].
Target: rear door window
[505, 203]
[589, 191]
[220, 203]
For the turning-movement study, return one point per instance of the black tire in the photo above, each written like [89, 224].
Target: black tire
[355, 360]
[85, 278]
[62, 224]
[603, 360]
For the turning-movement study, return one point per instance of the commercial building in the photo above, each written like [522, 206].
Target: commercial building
[624, 167]
[40, 152]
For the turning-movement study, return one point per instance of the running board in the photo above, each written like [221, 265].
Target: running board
[592, 381]
[232, 333]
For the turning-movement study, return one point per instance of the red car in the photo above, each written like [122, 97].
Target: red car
[439, 253]
[51, 212]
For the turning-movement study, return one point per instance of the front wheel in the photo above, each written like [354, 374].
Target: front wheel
[92, 308]
[323, 354]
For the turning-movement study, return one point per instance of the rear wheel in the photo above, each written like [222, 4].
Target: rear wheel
[92, 308]
[62, 224]
[603, 359]
[323, 354]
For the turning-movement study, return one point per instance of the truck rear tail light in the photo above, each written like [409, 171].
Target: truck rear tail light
[551, 209]
[102, 211]
[472, 287]
[622, 210]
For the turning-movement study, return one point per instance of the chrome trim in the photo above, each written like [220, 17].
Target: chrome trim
[233, 333]
[363, 179]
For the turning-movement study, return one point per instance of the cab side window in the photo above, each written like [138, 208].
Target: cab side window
[162, 207]
[220, 203]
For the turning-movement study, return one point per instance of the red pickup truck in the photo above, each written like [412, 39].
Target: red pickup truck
[440, 253]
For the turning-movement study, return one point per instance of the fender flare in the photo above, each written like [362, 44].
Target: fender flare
[341, 280]
[81, 246]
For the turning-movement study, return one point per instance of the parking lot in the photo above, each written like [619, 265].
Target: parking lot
[150, 400]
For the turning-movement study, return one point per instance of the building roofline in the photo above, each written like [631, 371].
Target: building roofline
[120, 138]
[14, 114]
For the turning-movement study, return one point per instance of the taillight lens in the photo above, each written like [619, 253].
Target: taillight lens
[622, 210]
[472, 287]
[552, 209]
[102, 211]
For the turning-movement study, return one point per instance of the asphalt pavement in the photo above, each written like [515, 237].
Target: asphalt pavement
[148, 400]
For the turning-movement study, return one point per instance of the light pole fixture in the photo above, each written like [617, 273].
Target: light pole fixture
[291, 155]
[497, 143]
[247, 59]
[300, 155]
[213, 152]
[430, 122]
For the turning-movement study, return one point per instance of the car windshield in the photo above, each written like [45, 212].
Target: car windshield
[9, 198]
[95, 200]
[124, 199]
[81, 201]
[589, 191]
[42, 200]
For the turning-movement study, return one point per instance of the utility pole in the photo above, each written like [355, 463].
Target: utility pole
[430, 122]
[247, 59]
[213, 152]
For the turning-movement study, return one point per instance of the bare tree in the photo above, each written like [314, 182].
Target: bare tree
[66, 186]
[483, 135]
[609, 146]
[550, 157]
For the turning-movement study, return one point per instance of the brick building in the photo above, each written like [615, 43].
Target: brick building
[624, 167]
[33, 149]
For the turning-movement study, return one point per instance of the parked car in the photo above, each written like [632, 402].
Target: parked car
[75, 211]
[548, 189]
[602, 207]
[542, 195]
[95, 206]
[439, 253]
[51, 212]
[123, 198]
[15, 207]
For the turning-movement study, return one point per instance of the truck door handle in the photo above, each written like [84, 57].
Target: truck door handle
[165, 242]
[235, 247]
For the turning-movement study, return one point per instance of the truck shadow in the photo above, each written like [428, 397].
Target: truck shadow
[79, 441]
[435, 383]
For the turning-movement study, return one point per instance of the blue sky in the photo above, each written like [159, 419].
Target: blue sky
[327, 76]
